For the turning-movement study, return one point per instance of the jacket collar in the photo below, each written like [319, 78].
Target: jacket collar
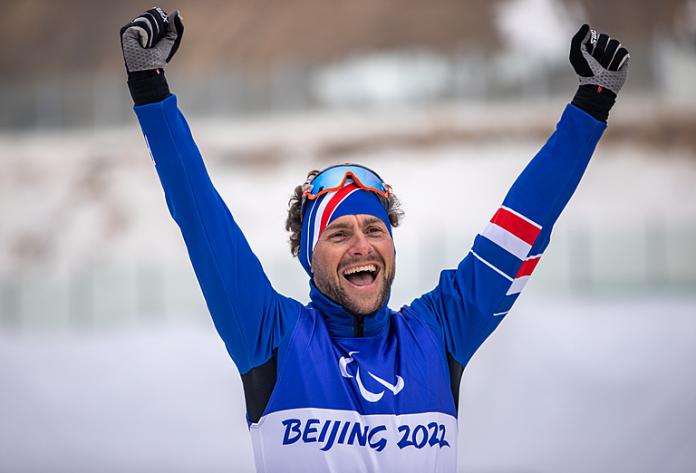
[342, 323]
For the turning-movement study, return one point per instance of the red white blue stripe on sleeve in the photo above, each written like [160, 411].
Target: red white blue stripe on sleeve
[504, 246]
[512, 231]
[523, 275]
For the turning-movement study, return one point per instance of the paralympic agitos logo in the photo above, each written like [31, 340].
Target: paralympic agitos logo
[368, 395]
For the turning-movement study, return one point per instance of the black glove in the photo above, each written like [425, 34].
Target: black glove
[601, 64]
[148, 43]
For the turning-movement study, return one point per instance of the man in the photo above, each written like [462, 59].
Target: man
[345, 383]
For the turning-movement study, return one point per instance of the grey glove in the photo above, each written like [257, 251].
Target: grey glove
[599, 60]
[150, 41]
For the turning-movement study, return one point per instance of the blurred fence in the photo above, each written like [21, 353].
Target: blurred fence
[397, 78]
[631, 261]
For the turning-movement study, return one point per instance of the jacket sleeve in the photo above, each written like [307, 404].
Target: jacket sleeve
[468, 303]
[250, 316]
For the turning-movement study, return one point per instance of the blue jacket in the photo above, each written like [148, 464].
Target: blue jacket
[315, 393]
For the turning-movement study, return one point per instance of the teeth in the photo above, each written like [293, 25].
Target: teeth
[369, 267]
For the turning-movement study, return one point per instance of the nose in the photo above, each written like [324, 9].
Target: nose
[360, 245]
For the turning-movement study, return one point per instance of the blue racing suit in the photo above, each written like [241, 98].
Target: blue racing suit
[320, 398]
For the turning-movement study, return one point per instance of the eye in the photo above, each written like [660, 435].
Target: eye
[337, 236]
[374, 230]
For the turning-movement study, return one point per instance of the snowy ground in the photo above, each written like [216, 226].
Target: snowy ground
[572, 385]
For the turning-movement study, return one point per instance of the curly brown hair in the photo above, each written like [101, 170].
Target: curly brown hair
[293, 223]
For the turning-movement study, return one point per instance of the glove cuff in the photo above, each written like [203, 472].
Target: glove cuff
[148, 86]
[595, 100]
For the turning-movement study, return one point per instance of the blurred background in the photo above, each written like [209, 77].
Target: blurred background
[108, 359]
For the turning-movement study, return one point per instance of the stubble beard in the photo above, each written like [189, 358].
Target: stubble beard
[337, 293]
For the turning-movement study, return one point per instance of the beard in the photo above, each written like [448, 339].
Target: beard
[334, 290]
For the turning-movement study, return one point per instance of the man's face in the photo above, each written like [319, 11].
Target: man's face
[353, 263]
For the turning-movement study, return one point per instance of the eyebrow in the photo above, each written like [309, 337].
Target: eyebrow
[371, 220]
[336, 226]
[349, 226]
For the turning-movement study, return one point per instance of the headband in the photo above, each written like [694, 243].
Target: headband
[319, 213]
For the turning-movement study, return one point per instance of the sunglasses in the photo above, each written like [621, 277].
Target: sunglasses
[335, 177]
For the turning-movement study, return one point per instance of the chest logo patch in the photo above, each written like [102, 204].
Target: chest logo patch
[370, 396]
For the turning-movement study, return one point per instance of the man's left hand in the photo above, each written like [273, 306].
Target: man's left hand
[598, 59]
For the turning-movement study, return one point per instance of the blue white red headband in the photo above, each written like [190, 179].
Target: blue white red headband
[320, 212]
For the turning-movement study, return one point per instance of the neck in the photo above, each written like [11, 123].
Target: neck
[342, 323]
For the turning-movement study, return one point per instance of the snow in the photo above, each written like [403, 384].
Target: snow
[573, 385]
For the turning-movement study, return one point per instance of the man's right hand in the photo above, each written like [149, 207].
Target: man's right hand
[150, 41]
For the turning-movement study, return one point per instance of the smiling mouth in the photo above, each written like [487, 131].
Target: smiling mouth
[362, 275]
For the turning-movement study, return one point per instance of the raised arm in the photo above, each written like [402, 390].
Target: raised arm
[250, 316]
[469, 302]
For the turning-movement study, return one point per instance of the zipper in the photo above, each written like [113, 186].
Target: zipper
[358, 325]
